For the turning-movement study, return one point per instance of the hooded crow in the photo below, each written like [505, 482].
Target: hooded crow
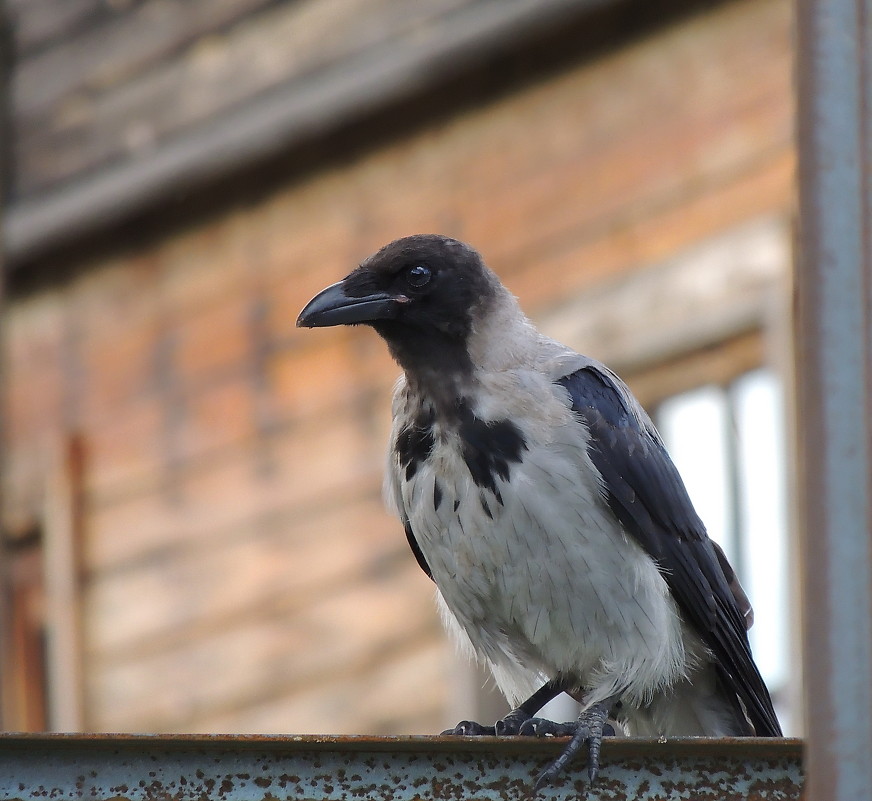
[538, 496]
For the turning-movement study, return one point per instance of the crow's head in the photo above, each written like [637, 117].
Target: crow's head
[424, 294]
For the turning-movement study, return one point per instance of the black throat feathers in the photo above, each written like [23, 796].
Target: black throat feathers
[488, 448]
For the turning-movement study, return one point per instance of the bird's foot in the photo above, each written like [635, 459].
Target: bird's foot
[542, 727]
[511, 724]
[469, 728]
[508, 726]
[589, 729]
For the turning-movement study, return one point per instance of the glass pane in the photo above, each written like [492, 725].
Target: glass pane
[729, 447]
[763, 518]
[694, 427]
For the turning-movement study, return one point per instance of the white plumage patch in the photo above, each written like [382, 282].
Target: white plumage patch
[539, 577]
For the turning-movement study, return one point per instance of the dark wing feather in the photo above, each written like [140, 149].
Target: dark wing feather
[416, 549]
[646, 493]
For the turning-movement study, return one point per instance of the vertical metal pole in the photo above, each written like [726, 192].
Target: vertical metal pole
[834, 374]
[5, 167]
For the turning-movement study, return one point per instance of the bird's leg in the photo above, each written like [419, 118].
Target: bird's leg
[511, 724]
[588, 729]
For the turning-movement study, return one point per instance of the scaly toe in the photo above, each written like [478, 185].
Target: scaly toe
[511, 724]
[541, 727]
[469, 728]
[586, 731]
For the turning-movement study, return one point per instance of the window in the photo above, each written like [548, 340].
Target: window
[728, 443]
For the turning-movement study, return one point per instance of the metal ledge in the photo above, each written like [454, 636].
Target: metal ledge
[231, 768]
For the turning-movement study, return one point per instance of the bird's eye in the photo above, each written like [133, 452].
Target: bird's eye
[418, 276]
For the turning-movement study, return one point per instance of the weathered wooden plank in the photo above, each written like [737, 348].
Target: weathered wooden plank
[247, 662]
[121, 370]
[576, 262]
[212, 422]
[307, 384]
[162, 67]
[273, 121]
[216, 340]
[128, 449]
[89, 46]
[309, 466]
[700, 296]
[208, 418]
[206, 264]
[39, 23]
[597, 144]
[126, 452]
[405, 694]
[35, 394]
[33, 402]
[239, 572]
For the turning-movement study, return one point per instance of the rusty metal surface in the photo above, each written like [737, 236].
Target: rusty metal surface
[834, 389]
[237, 768]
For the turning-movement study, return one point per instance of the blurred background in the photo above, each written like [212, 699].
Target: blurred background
[193, 537]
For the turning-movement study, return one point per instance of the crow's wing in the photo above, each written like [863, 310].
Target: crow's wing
[416, 549]
[646, 493]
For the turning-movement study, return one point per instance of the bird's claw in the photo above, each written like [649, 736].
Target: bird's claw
[511, 724]
[542, 727]
[508, 726]
[469, 728]
[589, 730]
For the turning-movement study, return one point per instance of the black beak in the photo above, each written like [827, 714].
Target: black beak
[332, 306]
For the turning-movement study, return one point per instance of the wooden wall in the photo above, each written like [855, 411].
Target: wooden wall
[101, 81]
[240, 573]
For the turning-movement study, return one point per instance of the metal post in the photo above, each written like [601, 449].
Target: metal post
[5, 169]
[834, 391]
